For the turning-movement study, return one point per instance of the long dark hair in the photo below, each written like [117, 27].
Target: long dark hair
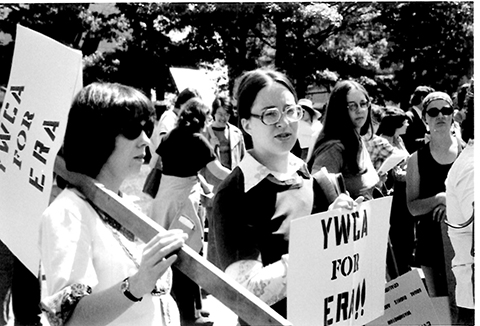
[339, 126]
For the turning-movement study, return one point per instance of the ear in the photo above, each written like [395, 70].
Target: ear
[246, 125]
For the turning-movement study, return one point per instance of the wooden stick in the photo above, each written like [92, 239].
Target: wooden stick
[245, 304]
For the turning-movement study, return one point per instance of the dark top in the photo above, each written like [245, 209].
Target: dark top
[242, 226]
[414, 137]
[184, 154]
[429, 251]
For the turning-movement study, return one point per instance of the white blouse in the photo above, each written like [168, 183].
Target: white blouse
[79, 249]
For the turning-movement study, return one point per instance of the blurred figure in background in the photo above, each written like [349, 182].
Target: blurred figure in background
[308, 128]
[229, 147]
[414, 138]
[185, 151]
[402, 224]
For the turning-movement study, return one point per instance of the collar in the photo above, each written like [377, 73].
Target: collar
[254, 171]
[417, 109]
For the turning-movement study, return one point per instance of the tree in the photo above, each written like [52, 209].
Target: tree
[430, 43]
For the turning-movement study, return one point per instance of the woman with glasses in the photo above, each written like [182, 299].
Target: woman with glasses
[254, 205]
[97, 272]
[339, 147]
[185, 151]
[427, 170]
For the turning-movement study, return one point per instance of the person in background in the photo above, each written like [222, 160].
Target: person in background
[427, 170]
[185, 151]
[229, 147]
[342, 150]
[402, 224]
[460, 214]
[308, 128]
[168, 121]
[376, 148]
[97, 272]
[254, 205]
[414, 138]
[394, 123]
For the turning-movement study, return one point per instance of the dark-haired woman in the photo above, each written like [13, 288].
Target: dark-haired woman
[427, 170]
[339, 147]
[254, 205]
[185, 151]
[97, 272]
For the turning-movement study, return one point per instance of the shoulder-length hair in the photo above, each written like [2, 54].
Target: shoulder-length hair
[250, 84]
[392, 119]
[222, 101]
[339, 126]
[193, 116]
[99, 113]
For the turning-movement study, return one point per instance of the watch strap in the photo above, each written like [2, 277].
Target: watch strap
[127, 293]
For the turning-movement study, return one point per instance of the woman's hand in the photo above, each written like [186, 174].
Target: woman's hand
[439, 213]
[345, 201]
[156, 260]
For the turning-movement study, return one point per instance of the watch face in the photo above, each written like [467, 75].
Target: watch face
[125, 285]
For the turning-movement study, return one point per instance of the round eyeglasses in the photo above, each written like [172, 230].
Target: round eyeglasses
[271, 116]
[355, 107]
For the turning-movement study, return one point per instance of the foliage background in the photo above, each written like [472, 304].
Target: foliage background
[390, 47]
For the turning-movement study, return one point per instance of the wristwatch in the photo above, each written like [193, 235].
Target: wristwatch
[125, 287]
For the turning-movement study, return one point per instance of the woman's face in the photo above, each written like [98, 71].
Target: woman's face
[280, 137]
[442, 120]
[127, 157]
[221, 118]
[358, 105]
[403, 129]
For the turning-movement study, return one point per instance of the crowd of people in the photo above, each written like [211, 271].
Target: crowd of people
[243, 173]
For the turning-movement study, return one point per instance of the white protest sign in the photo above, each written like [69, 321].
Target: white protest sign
[197, 79]
[407, 303]
[44, 78]
[336, 273]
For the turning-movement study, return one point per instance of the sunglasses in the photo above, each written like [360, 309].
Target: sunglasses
[446, 110]
[132, 131]
[271, 116]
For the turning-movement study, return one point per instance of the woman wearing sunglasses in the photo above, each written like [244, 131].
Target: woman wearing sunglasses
[427, 170]
[97, 272]
[339, 147]
[254, 205]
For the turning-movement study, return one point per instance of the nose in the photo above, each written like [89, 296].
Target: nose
[283, 121]
[144, 139]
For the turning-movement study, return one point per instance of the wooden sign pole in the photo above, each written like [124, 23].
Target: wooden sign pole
[245, 304]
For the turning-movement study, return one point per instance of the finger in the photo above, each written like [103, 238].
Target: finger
[167, 261]
[359, 199]
[167, 249]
